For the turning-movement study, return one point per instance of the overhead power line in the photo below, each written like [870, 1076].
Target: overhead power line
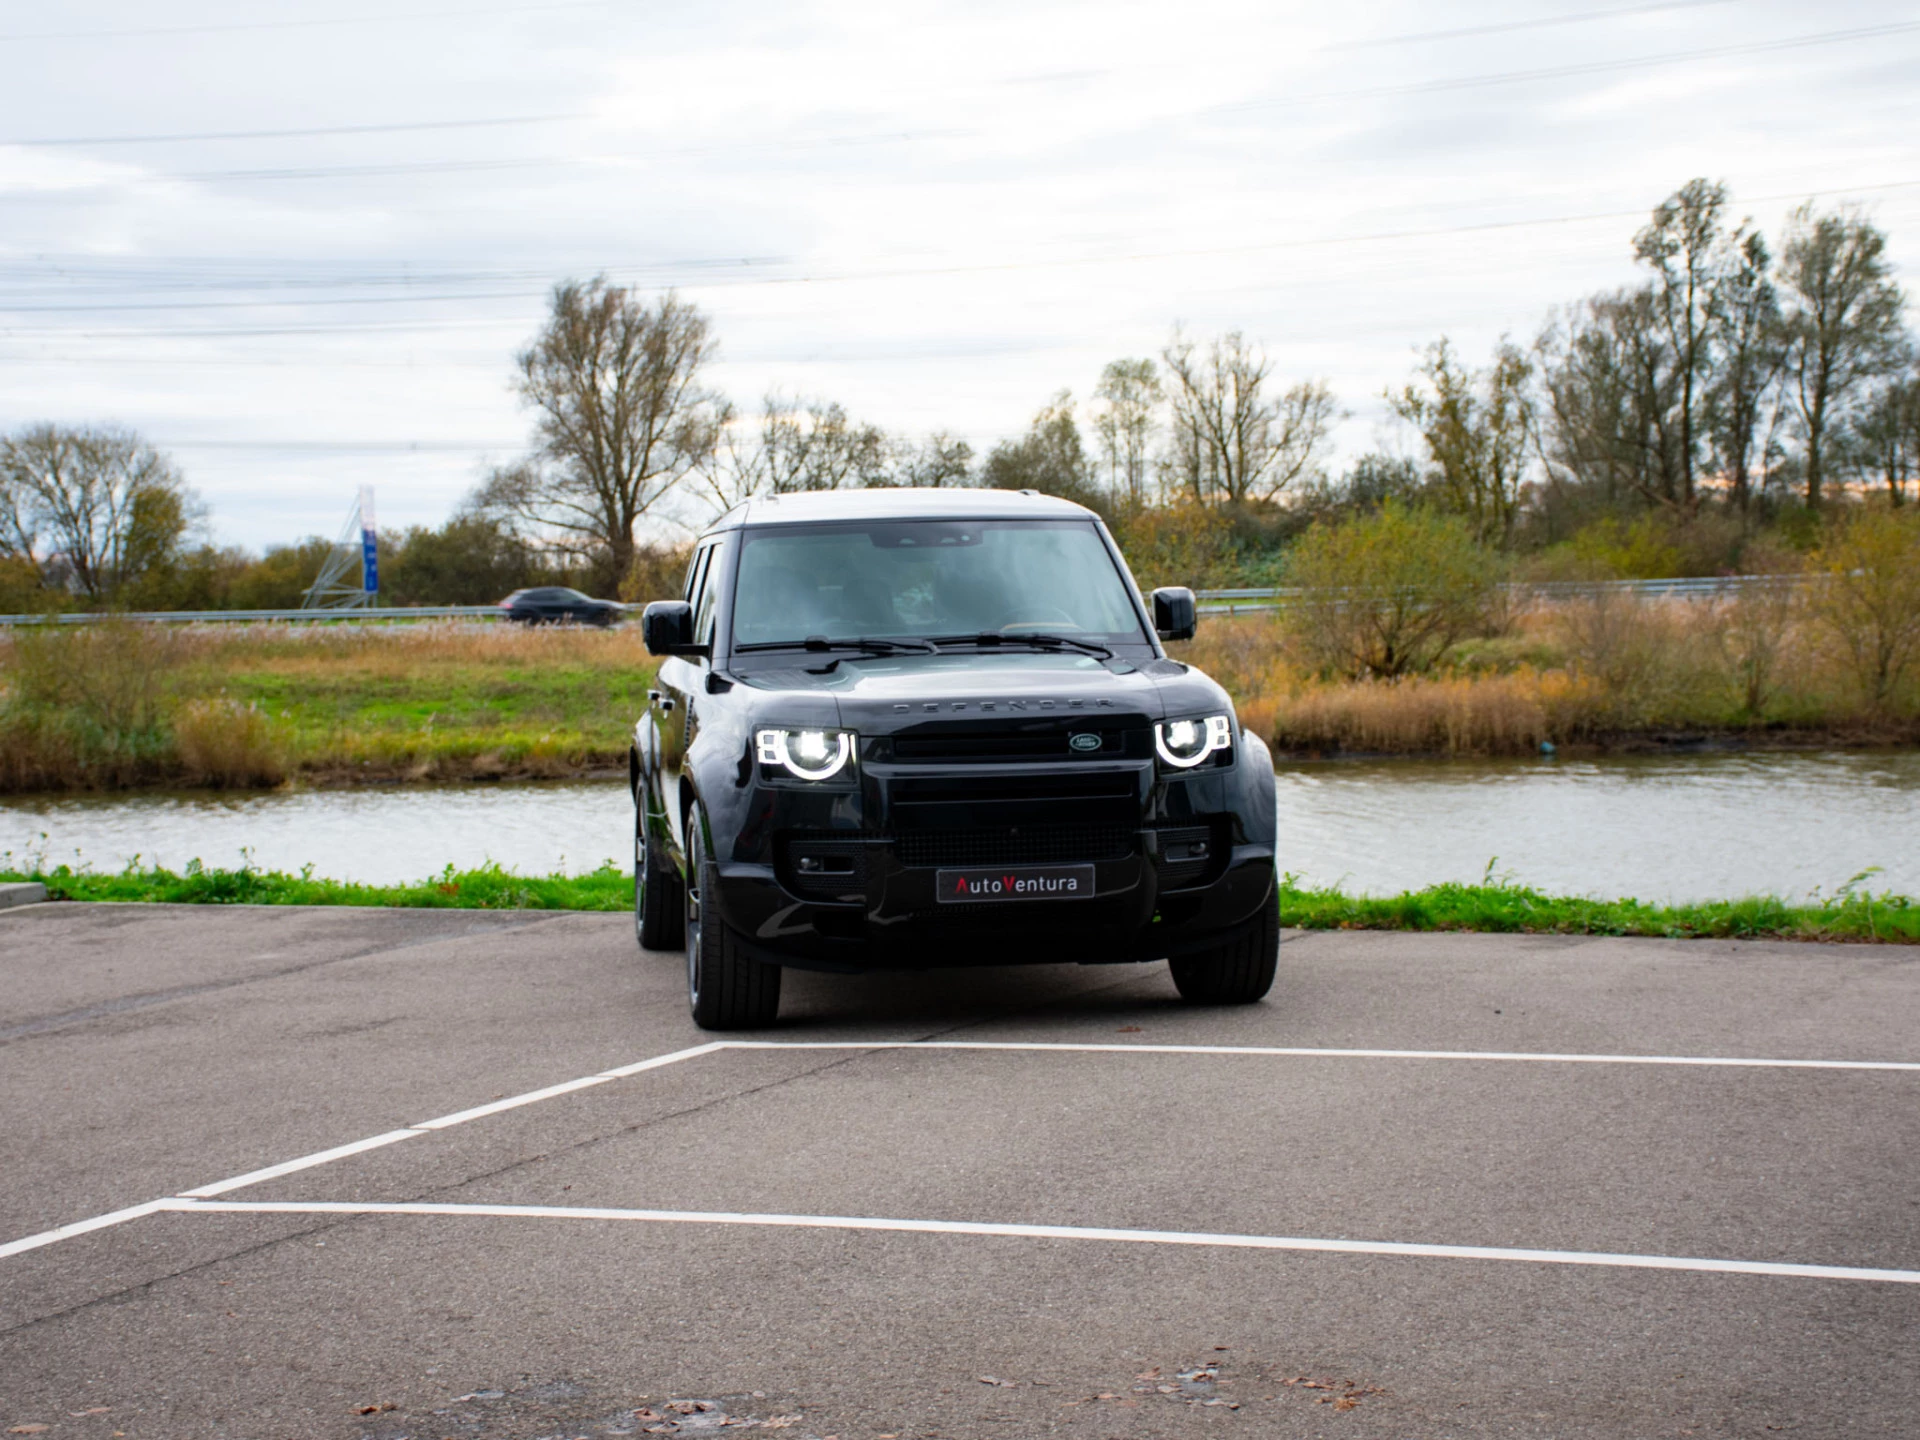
[919, 272]
[1506, 27]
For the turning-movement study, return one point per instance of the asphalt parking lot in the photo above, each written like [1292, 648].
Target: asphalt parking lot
[1435, 1186]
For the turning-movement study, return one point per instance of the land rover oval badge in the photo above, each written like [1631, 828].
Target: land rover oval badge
[1084, 742]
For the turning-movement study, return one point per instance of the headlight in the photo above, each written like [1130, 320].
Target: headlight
[1184, 744]
[809, 754]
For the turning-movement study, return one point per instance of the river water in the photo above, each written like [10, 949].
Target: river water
[1657, 828]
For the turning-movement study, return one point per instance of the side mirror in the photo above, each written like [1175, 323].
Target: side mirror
[667, 627]
[1174, 614]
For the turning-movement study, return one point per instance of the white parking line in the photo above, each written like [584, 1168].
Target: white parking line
[1306, 1052]
[1054, 1232]
[602, 1077]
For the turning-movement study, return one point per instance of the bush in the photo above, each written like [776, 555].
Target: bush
[1869, 599]
[227, 743]
[1390, 593]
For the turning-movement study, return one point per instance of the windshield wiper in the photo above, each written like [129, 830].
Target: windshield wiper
[1040, 638]
[865, 644]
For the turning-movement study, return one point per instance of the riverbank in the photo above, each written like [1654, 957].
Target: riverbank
[139, 707]
[1852, 915]
[133, 707]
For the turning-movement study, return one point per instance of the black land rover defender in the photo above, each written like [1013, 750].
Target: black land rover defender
[908, 728]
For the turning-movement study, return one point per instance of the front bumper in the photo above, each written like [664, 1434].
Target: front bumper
[814, 882]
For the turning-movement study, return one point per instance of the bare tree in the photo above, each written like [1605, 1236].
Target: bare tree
[1230, 442]
[1683, 247]
[1129, 393]
[1478, 426]
[97, 507]
[1843, 324]
[622, 416]
[801, 445]
[941, 461]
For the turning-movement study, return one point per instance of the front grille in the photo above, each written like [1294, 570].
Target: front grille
[1024, 845]
[1035, 740]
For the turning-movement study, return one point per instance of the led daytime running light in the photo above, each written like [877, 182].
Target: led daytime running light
[1209, 735]
[822, 753]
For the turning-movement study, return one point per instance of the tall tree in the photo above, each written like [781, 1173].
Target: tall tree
[1610, 425]
[1231, 441]
[1050, 457]
[1478, 426]
[93, 507]
[1843, 325]
[1744, 324]
[622, 417]
[1682, 245]
[1129, 393]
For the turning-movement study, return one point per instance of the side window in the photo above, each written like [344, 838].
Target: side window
[694, 568]
[709, 591]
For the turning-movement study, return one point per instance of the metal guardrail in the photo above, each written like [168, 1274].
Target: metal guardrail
[1235, 602]
[196, 617]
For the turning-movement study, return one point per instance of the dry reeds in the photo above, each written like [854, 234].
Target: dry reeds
[226, 743]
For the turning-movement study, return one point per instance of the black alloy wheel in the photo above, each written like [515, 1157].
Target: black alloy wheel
[658, 916]
[727, 989]
[1240, 969]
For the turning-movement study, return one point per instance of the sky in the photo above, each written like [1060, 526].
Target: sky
[296, 246]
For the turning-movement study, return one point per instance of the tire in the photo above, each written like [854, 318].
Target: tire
[727, 989]
[1240, 969]
[659, 916]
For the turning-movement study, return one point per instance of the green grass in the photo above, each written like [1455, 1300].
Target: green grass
[1852, 915]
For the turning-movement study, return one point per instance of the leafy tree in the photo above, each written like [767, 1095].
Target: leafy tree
[1886, 437]
[1129, 393]
[1477, 426]
[1608, 381]
[1683, 246]
[1389, 593]
[1744, 324]
[1049, 458]
[1231, 441]
[471, 560]
[1843, 325]
[95, 508]
[622, 417]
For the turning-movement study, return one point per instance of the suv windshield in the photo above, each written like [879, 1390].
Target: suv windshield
[930, 578]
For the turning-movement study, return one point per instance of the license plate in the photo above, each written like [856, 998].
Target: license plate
[1014, 882]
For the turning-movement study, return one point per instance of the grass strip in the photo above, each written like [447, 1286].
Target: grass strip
[1851, 915]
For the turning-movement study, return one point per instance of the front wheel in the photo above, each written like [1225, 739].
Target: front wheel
[658, 917]
[1237, 971]
[727, 989]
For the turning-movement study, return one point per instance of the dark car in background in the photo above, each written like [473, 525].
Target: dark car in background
[908, 728]
[555, 605]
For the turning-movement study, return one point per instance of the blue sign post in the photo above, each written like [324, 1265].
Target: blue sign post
[369, 547]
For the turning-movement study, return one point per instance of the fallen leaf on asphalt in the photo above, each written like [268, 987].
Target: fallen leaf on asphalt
[91, 1410]
[1345, 1402]
[379, 1409]
[990, 1380]
[33, 1428]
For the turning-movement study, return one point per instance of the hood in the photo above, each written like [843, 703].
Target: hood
[876, 694]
